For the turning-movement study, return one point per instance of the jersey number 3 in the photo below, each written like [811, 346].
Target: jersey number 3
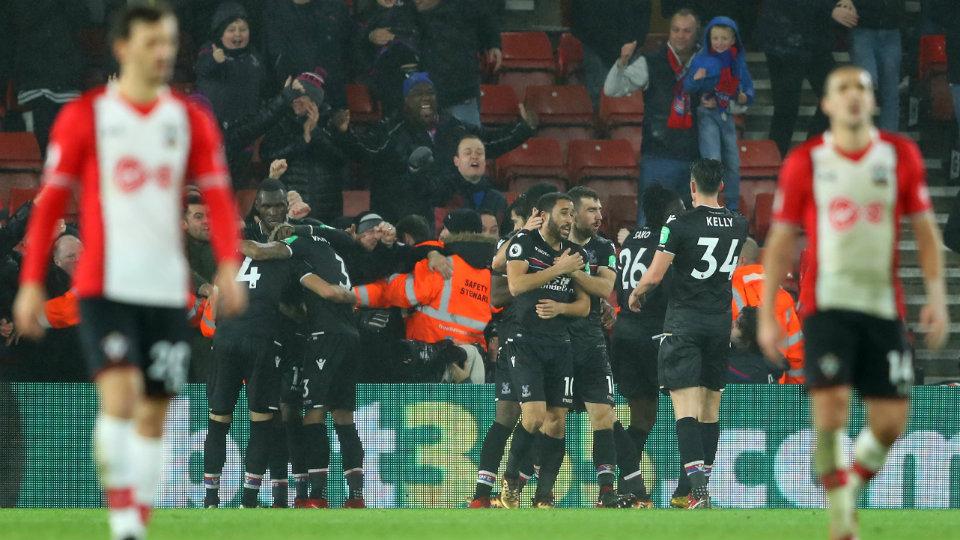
[729, 263]
[249, 273]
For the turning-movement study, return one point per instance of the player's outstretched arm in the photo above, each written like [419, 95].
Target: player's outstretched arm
[651, 279]
[262, 252]
[777, 260]
[327, 291]
[934, 318]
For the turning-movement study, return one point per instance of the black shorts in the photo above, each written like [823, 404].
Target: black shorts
[504, 382]
[247, 361]
[634, 363]
[688, 360]
[154, 339]
[592, 376]
[291, 352]
[542, 371]
[328, 376]
[847, 348]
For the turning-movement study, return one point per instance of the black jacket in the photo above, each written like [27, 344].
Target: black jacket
[795, 30]
[400, 19]
[605, 25]
[233, 86]
[482, 196]
[880, 14]
[303, 37]
[47, 53]
[658, 139]
[396, 192]
[451, 35]
[240, 135]
[314, 169]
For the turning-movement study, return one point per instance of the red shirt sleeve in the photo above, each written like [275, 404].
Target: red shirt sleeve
[70, 147]
[206, 167]
[794, 188]
[913, 196]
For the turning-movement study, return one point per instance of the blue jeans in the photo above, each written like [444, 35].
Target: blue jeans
[878, 52]
[718, 140]
[955, 90]
[467, 111]
[594, 74]
[673, 174]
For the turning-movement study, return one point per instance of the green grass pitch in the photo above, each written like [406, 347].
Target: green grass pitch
[582, 524]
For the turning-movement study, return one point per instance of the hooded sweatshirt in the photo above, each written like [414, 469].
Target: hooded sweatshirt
[727, 72]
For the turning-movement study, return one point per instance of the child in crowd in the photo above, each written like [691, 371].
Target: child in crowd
[719, 74]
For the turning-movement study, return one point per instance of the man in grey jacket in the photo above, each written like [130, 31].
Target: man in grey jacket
[669, 136]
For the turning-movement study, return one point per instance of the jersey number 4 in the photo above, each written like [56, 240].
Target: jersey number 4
[249, 273]
[729, 263]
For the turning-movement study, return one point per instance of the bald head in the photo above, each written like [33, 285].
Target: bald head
[750, 254]
[848, 99]
[66, 253]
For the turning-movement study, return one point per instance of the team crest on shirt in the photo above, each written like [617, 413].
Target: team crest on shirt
[880, 175]
[170, 135]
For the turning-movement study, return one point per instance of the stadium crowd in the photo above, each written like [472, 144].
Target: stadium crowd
[424, 265]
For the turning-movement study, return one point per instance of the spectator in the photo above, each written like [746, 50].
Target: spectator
[792, 35]
[397, 61]
[229, 70]
[66, 253]
[472, 188]
[491, 224]
[408, 178]
[744, 11]
[445, 311]
[47, 59]
[303, 34]
[604, 26]
[669, 138]
[452, 33]
[875, 33]
[382, 23]
[747, 364]
[413, 230]
[203, 266]
[315, 166]
[719, 74]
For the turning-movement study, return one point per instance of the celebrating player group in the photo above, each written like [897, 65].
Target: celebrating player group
[130, 148]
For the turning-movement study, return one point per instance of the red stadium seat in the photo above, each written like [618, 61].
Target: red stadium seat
[20, 196]
[762, 216]
[933, 55]
[600, 159]
[619, 211]
[569, 57]
[245, 199]
[622, 118]
[941, 98]
[527, 60]
[565, 112]
[362, 108]
[498, 104]
[355, 202]
[538, 159]
[759, 159]
[19, 149]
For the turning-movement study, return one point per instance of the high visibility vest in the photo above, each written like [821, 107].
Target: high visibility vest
[747, 285]
[64, 311]
[457, 308]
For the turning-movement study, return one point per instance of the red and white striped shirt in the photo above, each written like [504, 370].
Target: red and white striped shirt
[129, 164]
[850, 206]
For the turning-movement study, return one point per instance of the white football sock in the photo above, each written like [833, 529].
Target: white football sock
[147, 470]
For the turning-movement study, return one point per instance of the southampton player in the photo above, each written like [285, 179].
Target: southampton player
[327, 375]
[244, 353]
[593, 378]
[539, 268]
[848, 189]
[703, 246]
[128, 148]
[633, 347]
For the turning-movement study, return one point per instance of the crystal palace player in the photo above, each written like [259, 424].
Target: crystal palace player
[703, 245]
[547, 300]
[633, 348]
[128, 148]
[848, 190]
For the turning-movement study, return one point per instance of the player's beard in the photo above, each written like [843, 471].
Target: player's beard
[555, 230]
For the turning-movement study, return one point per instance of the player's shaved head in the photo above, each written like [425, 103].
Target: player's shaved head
[750, 253]
[848, 99]
[843, 71]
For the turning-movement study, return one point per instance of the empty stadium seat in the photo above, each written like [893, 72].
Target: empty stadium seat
[759, 159]
[537, 160]
[362, 108]
[933, 55]
[941, 97]
[601, 159]
[355, 202]
[527, 60]
[565, 112]
[19, 149]
[762, 216]
[619, 211]
[569, 59]
[622, 118]
[498, 104]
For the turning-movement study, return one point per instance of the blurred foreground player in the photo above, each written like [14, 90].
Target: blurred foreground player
[848, 190]
[128, 148]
